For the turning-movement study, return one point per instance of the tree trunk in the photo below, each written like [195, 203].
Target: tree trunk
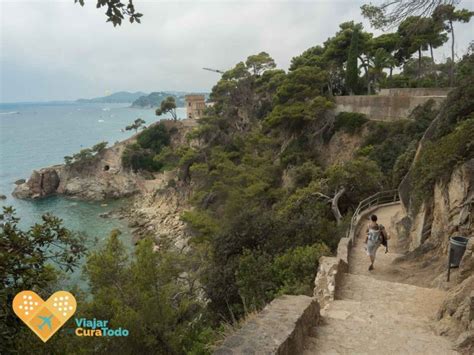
[368, 83]
[451, 70]
[419, 62]
[334, 205]
[433, 69]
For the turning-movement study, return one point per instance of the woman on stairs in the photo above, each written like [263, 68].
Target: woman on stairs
[375, 235]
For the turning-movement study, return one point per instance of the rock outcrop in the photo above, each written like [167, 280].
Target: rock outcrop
[97, 179]
[41, 183]
[341, 147]
[426, 231]
[157, 213]
[456, 315]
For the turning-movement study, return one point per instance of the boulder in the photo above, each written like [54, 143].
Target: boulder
[41, 183]
[3, 197]
[20, 181]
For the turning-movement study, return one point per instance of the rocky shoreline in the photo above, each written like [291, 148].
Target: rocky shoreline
[99, 178]
[156, 205]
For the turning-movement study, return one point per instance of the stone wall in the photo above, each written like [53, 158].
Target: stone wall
[330, 273]
[415, 92]
[280, 328]
[381, 107]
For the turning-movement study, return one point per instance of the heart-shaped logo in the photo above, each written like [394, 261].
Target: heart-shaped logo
[44, 318]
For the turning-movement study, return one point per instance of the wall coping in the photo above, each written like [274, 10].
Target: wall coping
[280, 328]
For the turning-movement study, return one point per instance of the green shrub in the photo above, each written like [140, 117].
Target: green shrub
[154, 137]
[389, 140]
[438, 159]
[403, 163]
[136, 158]
[255, 280]
[350, 122]
[146, 154]
[260, 278]
[295, 269]
[303, 174]
[297, 152]
[85, 155]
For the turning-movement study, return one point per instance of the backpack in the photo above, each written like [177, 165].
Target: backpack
[384, 238]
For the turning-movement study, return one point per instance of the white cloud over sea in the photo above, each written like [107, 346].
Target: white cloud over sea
[55, 50]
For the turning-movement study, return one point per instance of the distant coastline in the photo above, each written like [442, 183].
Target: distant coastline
[137, 99]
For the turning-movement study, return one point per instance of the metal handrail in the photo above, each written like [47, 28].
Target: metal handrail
[380, 198]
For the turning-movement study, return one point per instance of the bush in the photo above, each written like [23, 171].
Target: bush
[297, 152]
[438, 159]
[85, 155]
[136, 158]
[305, 173]
[295, 270]
[154, 137]
[403, 163]
[145, 153]
[255, 281]
[260, 278]
[350, 122]
[387, 141]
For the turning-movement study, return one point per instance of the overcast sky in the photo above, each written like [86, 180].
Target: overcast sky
[56, 50]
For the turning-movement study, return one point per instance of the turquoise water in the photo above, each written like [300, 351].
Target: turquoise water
[33, 136]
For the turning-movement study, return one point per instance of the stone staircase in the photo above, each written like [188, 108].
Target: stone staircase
[372, 315]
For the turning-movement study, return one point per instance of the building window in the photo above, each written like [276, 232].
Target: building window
[189, 103]
[190, 116]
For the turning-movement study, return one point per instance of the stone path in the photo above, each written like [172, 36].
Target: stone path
[372, 315]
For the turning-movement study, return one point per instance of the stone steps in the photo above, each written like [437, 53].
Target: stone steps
[359, 261]
[372, 315]
[350, 327]
[375, 316]
[391, 297]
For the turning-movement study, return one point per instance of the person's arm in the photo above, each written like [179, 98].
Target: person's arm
[366, 235]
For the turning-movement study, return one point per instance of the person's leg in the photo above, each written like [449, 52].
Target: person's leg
[372, 259]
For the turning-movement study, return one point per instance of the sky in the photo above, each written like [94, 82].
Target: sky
[57, 50]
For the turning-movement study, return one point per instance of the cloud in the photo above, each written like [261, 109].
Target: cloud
[59, 50]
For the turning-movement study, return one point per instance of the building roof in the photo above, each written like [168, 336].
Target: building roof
[192, 97]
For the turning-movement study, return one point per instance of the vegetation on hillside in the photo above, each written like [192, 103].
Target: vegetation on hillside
[449, 141]
[144, 153]
[29, 260]
[86, 155]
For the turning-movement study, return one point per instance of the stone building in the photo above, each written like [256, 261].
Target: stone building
[195, 105]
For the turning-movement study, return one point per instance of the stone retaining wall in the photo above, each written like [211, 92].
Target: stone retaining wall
[383, 107]
[280, 328]
[330, 272]
[415, 92]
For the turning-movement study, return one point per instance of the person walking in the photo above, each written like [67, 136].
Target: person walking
[375, 235]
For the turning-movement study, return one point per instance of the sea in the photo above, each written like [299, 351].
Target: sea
[36, 135]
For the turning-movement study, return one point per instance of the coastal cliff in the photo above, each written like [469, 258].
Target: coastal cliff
[160, 197]
[101, 177]
[97, 179]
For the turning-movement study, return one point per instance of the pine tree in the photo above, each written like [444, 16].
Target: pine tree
[352, 72]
